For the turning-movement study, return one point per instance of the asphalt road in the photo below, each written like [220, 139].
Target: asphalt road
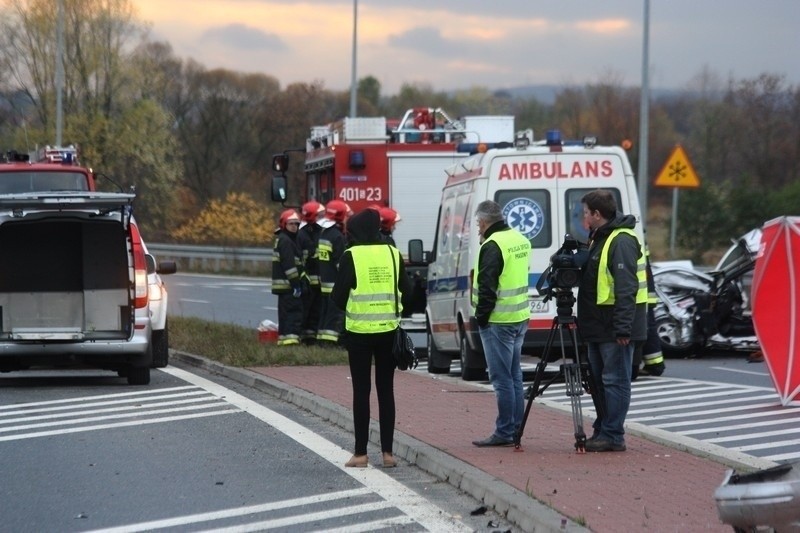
[83, 451]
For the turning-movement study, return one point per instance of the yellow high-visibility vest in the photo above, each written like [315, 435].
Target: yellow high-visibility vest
[371, 305]
[605, 281]
[512, 287]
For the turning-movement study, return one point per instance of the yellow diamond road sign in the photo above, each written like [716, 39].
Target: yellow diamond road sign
[678, 172]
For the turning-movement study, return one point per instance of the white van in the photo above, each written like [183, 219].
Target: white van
[539, 187]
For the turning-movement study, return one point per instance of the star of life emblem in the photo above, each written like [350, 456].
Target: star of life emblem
[525, 216]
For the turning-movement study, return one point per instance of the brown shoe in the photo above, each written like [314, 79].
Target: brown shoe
[388, 460]
[357, 461]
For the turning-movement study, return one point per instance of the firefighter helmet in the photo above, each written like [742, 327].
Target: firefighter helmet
[337, 210]
[389, 217]
[310, 211]
[290, 215]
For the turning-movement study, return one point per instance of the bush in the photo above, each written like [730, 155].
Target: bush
[236, 221]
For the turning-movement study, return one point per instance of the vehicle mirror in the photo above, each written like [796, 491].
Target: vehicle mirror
[415, 253]
[167, 267]
[278, 187]
[280, 162]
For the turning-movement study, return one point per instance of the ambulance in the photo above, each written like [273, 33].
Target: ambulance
[539, 186]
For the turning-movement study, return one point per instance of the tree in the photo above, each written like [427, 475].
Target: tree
[236, 220]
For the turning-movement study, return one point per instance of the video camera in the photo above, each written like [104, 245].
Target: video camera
[564, 270]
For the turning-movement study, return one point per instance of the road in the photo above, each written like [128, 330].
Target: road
[717, 399]
[83, 451]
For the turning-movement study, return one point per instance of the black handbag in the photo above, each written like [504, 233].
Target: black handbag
[402, 346]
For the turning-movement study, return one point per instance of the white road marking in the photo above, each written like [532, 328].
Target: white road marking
[736, 370]
[93, 398]
[409, 502]
[189, 300]
[237, 511]
[114, 425]
[194, 392]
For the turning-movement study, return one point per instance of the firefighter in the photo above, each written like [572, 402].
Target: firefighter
[288, 278]
[308, 239]
[649, 350]
[389, 218]
[332, 243]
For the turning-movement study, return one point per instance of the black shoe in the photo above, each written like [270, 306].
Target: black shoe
[653, 370]
[603, 445]
[494, 440]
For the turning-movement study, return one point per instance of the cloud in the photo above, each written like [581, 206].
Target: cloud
[243, 37]
[425, 39]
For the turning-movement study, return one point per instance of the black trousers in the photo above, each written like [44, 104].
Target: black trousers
[361, 350]
[290, 319]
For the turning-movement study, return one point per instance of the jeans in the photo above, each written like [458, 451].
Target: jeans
[502, 345]
[611, 366]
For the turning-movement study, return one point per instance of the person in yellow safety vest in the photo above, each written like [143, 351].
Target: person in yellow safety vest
[370, 288]
[649, 351]
[288, 278]
[502, 311]
[612, 313]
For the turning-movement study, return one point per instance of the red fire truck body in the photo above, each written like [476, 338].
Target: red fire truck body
[374, 161]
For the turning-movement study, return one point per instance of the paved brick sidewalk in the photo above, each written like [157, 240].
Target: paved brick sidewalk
[650, 487]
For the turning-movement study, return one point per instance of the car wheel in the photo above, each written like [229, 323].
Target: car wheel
[669, 334]
[469, 358]
[438, 363]
[160, 341]
[138, 375]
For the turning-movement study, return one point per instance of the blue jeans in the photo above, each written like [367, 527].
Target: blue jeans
[502, 345]
[611, 366]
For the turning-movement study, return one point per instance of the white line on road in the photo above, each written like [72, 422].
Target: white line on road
[115, 425]
[93, 398]
[409, 502]
[739, 371]
[238, 511]
[189, 300]
[194, 392]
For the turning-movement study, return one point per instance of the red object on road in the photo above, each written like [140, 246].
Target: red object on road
[776, 304]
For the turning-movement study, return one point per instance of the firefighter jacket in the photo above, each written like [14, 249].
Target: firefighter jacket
[332, 243]
[500, 284]
[625, 318]
[371, 273]
[287, 263]
[308, 240]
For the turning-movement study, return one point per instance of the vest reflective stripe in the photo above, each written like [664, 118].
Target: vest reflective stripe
[324, 253]
[512, 304]
[605, 281]
[370, 306]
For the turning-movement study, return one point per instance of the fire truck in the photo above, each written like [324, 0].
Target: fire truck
[366, 161]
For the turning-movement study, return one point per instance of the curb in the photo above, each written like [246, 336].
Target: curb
[517, 507]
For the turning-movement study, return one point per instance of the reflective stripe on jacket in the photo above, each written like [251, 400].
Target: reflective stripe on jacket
[605, 281]
[512, 304]
[371, 305]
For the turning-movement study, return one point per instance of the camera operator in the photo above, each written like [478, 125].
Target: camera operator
[612, 306]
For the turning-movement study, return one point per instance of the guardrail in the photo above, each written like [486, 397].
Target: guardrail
[195, 258]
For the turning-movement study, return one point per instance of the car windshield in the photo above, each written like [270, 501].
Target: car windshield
[18, 182]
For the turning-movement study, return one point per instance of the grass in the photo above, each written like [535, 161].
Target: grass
[238, 346]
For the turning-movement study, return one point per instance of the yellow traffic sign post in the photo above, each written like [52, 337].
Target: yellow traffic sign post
[677, 173]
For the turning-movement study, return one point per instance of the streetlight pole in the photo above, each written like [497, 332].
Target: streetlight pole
[644, 112]
[59, 71]
[353, 86]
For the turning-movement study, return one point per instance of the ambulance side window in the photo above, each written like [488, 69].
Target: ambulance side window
[444, 239]
[574, 211]
[462, 223]
[530, 213]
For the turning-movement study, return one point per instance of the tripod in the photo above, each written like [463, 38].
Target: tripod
[576, 374]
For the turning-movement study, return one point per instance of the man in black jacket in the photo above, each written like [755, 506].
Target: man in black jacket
[288, 278]
[612, 306]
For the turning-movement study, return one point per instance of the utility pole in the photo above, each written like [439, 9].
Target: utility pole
[353, 84]
[59, 71]
[644, 118]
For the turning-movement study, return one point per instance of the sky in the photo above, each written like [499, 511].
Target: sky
[459, 44]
